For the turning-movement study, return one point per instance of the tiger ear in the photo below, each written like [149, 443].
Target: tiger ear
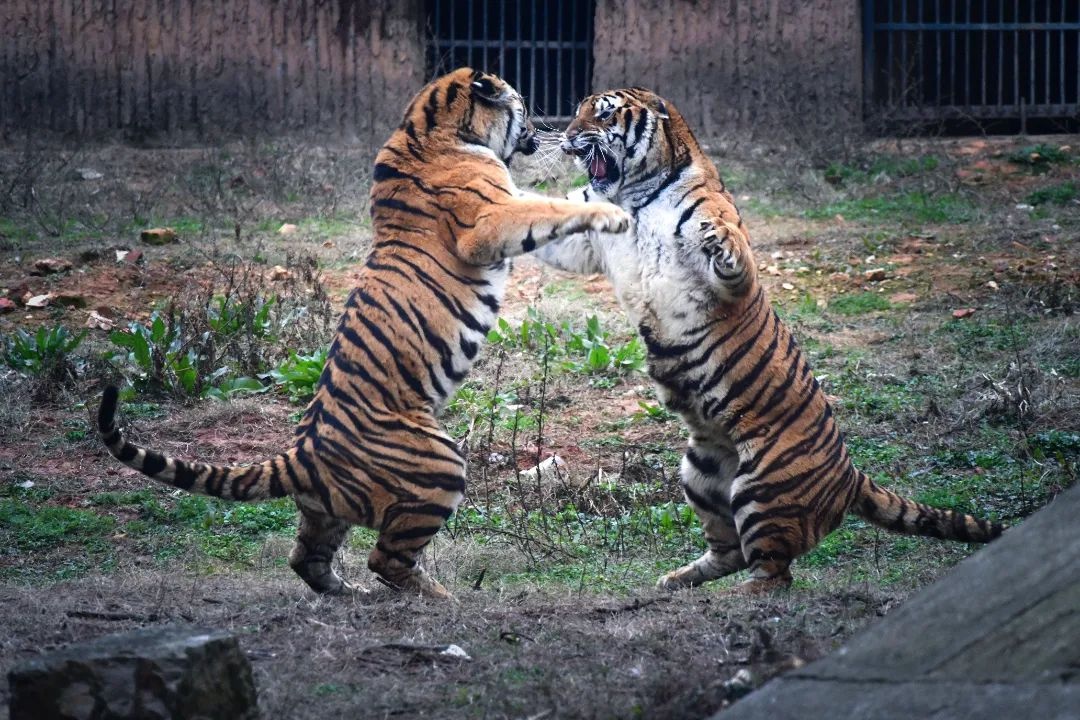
[660, 109]
[484, 89]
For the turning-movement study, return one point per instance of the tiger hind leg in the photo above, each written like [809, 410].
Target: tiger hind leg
[317, 542]
[702, 476]
[771, 540]
[407, 529]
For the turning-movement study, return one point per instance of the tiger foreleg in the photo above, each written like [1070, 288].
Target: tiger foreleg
[573, 254]
[523, 224]
[728, 257]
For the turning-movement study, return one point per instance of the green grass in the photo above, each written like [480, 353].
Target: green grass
[866, 395]
[881, 166]
[804, 313]
[1060, 194]
[979, 336]
[330, 226]
[834, 547]
[1039, 157]
[911, 208]
[14, 231]
[29, 527]
[858, 303]
[872, 455]
[593, 552]
[570, 289]
[223, 534]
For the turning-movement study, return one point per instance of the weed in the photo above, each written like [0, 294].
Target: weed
[588, 352]
[214, 344]
[157, 357]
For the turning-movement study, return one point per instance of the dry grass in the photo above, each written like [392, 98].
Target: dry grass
[532, 654]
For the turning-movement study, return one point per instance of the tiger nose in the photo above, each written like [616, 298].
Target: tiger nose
[569, 136]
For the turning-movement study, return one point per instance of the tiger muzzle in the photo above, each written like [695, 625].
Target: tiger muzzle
[527, 143]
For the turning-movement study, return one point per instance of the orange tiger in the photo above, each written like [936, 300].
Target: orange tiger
[369, 450]
[766, 470]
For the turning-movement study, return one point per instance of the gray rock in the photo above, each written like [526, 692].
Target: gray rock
[152, 673]
[994, 638]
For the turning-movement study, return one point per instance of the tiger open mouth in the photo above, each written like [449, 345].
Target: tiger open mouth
[600, 166]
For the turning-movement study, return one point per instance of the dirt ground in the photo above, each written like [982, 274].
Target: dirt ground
[530, 654]
[944, 332]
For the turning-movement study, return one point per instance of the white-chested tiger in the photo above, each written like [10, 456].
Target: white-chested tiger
[766, 470]
[369, 450]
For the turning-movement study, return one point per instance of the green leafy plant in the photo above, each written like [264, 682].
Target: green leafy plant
[299, 375]
[232, 386]
[656, 413]
[228, 315]
[157, 357]
[46, 352]
[599, 355]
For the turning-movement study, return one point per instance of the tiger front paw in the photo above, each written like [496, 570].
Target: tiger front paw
[716, 243]
[605, 217]
[684, 577]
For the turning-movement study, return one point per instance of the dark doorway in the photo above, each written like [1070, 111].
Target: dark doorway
[544, 49]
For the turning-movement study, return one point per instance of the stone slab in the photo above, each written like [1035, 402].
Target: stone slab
[159, 673]
[998, 636]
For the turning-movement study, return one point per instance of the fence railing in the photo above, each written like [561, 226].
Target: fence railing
[978, 59]
[543, 48]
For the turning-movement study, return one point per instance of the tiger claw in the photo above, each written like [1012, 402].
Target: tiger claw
[717, 246]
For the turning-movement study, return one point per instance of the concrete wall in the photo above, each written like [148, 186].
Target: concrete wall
[145, 68]
[761, 66]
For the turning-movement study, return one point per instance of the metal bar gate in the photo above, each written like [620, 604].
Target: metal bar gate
[971, 59]
[543, 48]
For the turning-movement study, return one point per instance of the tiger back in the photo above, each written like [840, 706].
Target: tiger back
[369, 449]
[766, 470]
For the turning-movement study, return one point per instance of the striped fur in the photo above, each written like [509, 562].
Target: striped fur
[766, 470]
[369, 450]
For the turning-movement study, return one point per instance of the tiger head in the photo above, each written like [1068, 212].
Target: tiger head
[478, 107]
[621, 136]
